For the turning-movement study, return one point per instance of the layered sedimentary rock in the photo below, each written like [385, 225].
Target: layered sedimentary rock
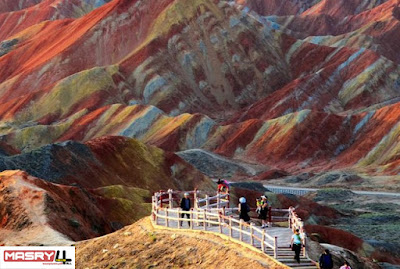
[216, 77]
[264, 88]
[85, 190]
[358, 24]
[16, 16]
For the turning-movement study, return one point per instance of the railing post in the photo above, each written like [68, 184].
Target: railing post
[219, 222]
[195, 198]
[191, 218]
[240, 233]
[218, 200]
[197, 217]
[205, 220]
[166, 217]
[153, 207]
[207, 202]
[275, 247]
[300, 225]
[290, 218]
[263, 241]
[208, 224]
[230, 226]
[157, 216]
[270, 216]
[251, 234]
[294, 221]
[170, 198]
[304, 246]
[179, 215]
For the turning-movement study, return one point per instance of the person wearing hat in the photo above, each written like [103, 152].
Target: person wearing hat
[263, 212]
[243, 210]
[185, 206]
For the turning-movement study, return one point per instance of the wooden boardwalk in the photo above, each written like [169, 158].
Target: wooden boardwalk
[276, 239]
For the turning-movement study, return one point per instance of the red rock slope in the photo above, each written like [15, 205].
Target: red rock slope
[83, 191]
[212, 75]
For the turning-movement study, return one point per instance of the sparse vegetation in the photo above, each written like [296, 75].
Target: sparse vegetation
[130, 248]
[74, 223]
[152, 237]
[333, 194]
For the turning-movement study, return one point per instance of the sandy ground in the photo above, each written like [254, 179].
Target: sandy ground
[141, 246]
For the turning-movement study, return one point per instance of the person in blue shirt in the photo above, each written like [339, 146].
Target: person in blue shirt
[326, 261]
[185, 206]
[296, 244]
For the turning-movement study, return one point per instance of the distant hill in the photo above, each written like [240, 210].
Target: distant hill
[87, 190]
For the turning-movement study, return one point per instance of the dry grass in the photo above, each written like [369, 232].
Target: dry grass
[142, 246]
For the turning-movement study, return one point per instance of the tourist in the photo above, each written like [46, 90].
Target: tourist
[345, 265]
[223, 186]
[325, 261]
[258, 204]
[295, 244]
[263, 212]
[185, 206]
[243, 210]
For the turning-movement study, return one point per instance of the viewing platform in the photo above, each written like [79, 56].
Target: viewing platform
[214, 214]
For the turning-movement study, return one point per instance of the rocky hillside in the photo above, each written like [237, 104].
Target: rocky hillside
[141, 246]
[360, 229]
[107, 161]
[103, 102]
[373, 219]
[82, 191]
[16, 16]
[297, 86]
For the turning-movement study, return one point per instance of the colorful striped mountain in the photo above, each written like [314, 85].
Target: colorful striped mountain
[102, 93]
[255, 81]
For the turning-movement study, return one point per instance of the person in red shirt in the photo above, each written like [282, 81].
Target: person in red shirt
[223, 186]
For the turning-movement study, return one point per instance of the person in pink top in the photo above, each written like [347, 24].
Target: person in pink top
[345, 265]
